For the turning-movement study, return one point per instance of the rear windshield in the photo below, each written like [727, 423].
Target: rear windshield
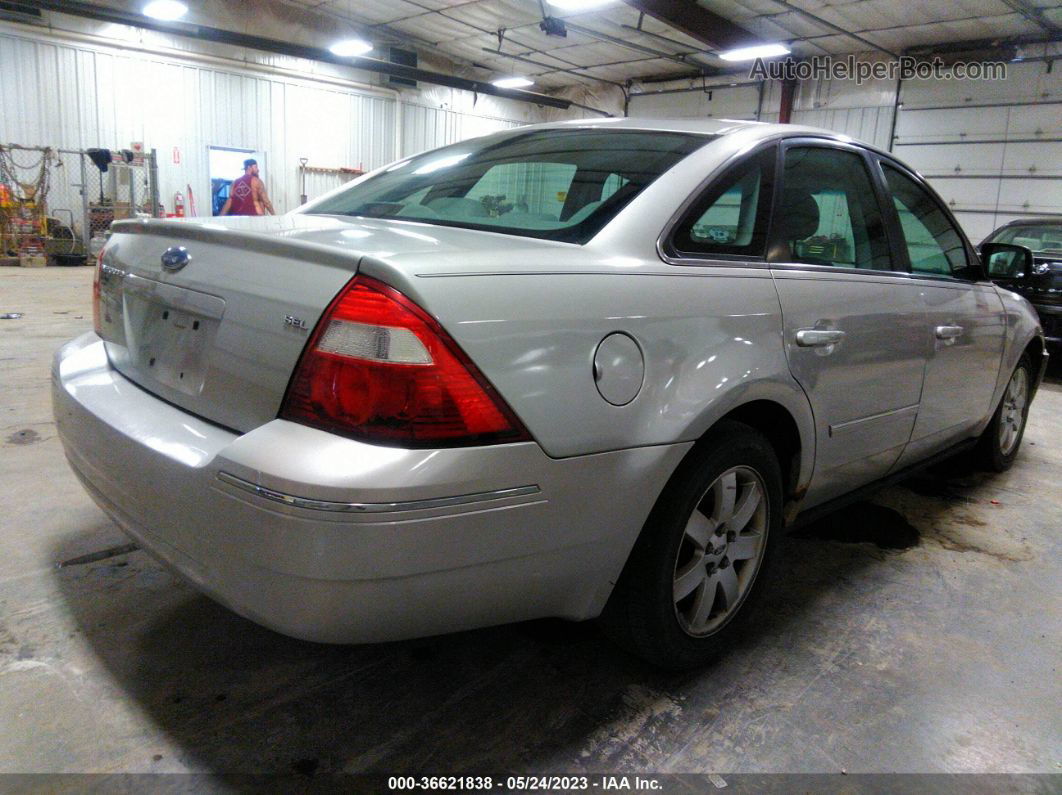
[1037, 237]
[555, 184]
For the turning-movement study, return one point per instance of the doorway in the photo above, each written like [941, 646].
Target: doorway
[225, 166]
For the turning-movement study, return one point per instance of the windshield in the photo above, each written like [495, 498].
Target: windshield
[1036, 237]
[556, 184]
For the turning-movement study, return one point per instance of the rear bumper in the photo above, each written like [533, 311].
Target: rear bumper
[334, 540]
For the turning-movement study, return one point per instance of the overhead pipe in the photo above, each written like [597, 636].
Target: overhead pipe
[701, 89]
[235, 39]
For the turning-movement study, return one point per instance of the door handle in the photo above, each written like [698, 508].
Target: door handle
[948, 333]
[818, 337]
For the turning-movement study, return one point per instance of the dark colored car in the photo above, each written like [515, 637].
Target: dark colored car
[1043, 286]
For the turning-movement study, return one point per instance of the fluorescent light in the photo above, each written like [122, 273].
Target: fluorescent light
[578, 5]
[513, 82]
[166, 10]
[756, 51]
[349, 48]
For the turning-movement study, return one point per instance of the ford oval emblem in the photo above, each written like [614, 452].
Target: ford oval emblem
[175, 257]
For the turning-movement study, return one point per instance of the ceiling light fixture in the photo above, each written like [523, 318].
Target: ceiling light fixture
[349, 48]
[166, 10]
[578, 5]
[513, 82]
[756, 51]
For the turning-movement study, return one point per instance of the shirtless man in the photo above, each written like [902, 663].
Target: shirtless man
[248, 196]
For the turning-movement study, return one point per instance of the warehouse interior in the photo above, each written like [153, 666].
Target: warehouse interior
[918, 631]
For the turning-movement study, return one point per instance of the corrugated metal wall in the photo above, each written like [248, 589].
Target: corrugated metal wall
[863, 120]
[862, 111]
[739, 102]
[427, 128]
[76, 95]
[869, 123]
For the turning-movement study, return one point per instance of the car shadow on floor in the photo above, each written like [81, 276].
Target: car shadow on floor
[546, 695]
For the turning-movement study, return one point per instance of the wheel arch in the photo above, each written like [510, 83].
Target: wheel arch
[1036, 350]
[780, 429]
[783, 416]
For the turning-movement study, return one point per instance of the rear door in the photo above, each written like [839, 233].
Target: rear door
[855, 327]
[964, 314]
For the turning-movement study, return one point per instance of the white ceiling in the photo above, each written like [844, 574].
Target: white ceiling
[615, 43]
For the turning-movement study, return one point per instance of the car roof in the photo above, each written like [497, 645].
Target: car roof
[1031, 222]
[704, 126]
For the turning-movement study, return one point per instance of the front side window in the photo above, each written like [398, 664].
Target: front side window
[731, 217]
[934, 245]
[556, 184]
[828, 213]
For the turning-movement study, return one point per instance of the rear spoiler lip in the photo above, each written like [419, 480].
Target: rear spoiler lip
[275, 244]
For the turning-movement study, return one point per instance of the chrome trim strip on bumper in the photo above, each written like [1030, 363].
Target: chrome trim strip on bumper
[374, 507]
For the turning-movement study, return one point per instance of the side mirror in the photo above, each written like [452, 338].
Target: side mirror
[1005, 262]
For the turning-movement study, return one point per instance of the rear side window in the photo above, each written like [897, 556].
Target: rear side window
[731, 217]
[829, 214]
[555, 184]
[933, 243]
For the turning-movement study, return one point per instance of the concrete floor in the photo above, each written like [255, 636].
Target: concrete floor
[933, 644]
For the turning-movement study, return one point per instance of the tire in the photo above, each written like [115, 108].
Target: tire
[660, 608]
[1001, 440]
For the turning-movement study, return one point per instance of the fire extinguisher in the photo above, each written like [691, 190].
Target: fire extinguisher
[178, 204]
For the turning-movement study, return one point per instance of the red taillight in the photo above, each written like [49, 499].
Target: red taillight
[97, 323]
[379, 368]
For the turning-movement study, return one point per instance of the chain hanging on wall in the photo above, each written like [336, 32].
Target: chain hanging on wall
[24, 201]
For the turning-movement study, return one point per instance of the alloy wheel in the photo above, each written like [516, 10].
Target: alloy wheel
[721, 550]
[1012, 414]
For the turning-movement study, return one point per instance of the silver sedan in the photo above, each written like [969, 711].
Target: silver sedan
[577, 370]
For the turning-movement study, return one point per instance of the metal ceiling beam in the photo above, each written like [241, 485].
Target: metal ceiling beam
[988, 49]
[502, 33]
[549, 69]
[701, 89]
[794, 40]
[698, 55]
[644, 32]
[835, 28]
[235, 39]
[1034, 14]
[681, 58]
[716, 32]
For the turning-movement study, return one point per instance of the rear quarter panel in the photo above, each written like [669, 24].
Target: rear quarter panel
[531, 313]
[710, 337]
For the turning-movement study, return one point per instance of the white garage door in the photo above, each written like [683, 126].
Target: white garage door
[992, 149]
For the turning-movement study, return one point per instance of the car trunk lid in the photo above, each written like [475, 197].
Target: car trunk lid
[220, 333]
